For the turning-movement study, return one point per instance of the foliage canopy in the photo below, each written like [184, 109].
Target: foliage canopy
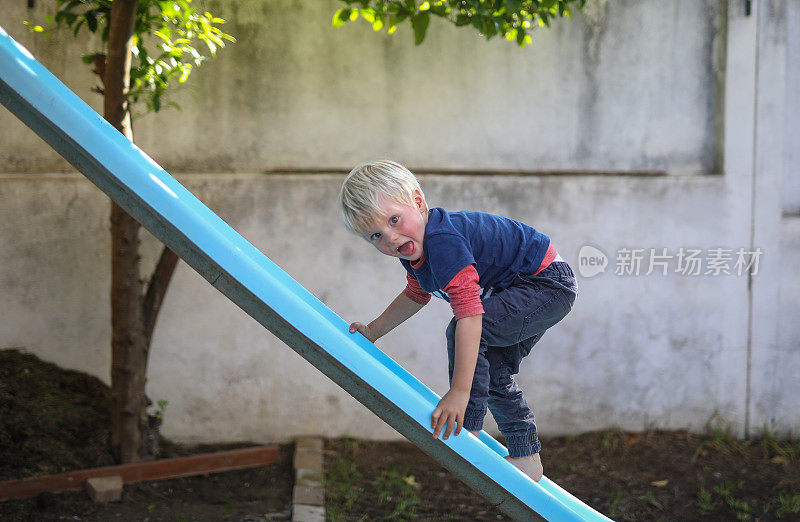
[166, 45]
[512, 19]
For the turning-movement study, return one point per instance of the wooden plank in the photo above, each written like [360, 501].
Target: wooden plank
[142, 471]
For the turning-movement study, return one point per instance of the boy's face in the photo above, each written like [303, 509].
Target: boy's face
[399, 229]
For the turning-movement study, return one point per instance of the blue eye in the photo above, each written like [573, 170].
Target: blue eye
[394, 220]
[376, 236]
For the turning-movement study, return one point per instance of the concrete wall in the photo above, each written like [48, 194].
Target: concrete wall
[628, 85]
[615, 89]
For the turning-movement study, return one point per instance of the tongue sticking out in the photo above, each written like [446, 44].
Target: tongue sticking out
[407, 249]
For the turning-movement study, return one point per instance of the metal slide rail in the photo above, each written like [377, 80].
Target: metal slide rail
[260, 288]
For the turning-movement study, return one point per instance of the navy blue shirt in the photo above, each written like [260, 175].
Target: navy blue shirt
[499, 247]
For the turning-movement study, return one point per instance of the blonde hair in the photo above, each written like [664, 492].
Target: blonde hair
[365, 186]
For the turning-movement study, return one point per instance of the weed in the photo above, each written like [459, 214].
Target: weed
[341, 480]
[727, 491]
[705, 502]
[719, 432]
[611, 439]
[719, 437]
[335, 514]
[618, 502]
[162, 408]
[650, 498]
[154, 504]
[398, 487]
[789, 504]
[727, 488]
[781, 451]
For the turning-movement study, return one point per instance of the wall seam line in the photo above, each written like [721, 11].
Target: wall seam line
[749, 345]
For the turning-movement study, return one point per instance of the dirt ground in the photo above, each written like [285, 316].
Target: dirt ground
[54, 420]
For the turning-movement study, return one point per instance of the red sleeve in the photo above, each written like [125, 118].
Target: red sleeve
[549, 256]
[465, 293]
[415, 292]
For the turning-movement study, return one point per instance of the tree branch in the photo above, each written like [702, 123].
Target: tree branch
[157, 289]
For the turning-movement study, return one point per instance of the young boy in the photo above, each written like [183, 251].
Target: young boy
[505, 283]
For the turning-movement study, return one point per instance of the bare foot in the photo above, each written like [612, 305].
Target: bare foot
[530, 465]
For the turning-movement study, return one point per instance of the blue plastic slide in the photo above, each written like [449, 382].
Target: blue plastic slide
[258, 286]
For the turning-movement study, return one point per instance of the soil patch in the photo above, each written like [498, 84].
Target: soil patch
[54, 420]
[656, 475]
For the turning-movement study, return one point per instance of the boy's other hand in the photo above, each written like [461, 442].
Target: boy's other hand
[364, 329]
[449, 413]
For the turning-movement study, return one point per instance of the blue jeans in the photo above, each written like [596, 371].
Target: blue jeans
[514, 319]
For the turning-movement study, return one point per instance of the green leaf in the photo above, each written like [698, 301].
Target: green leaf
[513, 5]
[91, 21]
[185, 72]
[368, 15]
[341, 16]
[158, 20]
[34, 28]
[420, 24]
[71, 5]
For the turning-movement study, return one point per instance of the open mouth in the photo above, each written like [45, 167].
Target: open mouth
[407, 249]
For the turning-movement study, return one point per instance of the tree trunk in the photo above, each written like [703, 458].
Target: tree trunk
[133, 313]
[128, 347]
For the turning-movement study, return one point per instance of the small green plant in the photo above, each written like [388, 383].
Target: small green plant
[727, 491]
[650, 498]
[719, 437]
[780, 451]
[719, 431]
[788, 504]
[340, 480]
[618, 503]
[611, 439]
[705, 502]
[162, 408]
[400, 489]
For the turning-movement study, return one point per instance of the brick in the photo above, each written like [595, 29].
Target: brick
[104, 489]
[308, 443]
[307, 477]
[305, 513]
[311, 496]
[310, 460]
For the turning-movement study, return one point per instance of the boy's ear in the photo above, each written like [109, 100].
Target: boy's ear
[419, 200]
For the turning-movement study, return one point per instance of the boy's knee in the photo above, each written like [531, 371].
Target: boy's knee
[500, 379]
